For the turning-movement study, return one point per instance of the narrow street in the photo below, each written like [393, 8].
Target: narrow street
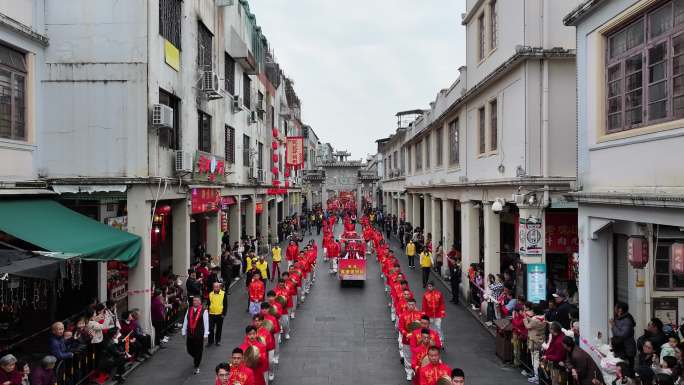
[340, 336]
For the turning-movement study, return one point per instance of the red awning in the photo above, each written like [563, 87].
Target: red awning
[228, 201]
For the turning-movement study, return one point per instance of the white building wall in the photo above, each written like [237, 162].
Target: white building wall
[18, 159]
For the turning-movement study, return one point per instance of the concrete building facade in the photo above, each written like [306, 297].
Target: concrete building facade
[493, 155]
[167, 118]
[631, 188]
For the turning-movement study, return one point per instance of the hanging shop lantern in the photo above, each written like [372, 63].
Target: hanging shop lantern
[275, 158]
[677, 258]
[274, 145]
[274, 170]
[637, 251]
[274, 131]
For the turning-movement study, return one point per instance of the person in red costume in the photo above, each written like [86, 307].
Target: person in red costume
[410, 315]
[235, 373]
[291, 253]
[282, 290]
[264, 335]
[260, 371]
[435, 369]
[433, 306]
[414, 338]
[256, 290]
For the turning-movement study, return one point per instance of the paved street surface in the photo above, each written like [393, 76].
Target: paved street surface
[341, 336]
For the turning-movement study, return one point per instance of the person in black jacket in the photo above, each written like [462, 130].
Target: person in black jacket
[563, 309]
[193, 285]
[113, 357]
[654, 333]
[622, 327]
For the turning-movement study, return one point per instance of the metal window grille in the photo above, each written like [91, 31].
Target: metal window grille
[170, 21]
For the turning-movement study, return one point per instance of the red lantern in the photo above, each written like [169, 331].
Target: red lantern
[276, 183]
[274, 131]
[637, 251]
[274, 170]
[274, 145]
[677, 258]
[275, 158]
[287, 172]
[287, 184]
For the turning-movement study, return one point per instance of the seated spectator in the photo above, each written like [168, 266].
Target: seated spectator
[646, 360]
[113, 358]
[56, 343]
[45, 373]
[9, 375]
[25, 370]
[144, 338]
[662, 379]
[128, 330]
[81, 337]
[668, 365]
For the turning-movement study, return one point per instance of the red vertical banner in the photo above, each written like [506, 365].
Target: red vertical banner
[294, 151]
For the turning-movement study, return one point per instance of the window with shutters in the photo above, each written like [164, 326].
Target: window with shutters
[260, 155]
[419, 160]
[493, 126]
[247, 91]
[245, 150]
[481, 130]
[453, 142]
[170, 19]
[644, 69]
[230, 145]
[229, 74]
[12, 94]
[428, 151]
[439, 144]
[481, 37]
[204, 132]
[493, 24]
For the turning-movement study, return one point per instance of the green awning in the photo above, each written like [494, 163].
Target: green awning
[53, 227]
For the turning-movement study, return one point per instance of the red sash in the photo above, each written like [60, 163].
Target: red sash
[192, 319]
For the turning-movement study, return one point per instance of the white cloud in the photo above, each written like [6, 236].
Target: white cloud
[356, 63]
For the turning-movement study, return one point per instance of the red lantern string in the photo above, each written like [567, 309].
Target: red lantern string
[274, 145]
[274, 170]
[275, 158]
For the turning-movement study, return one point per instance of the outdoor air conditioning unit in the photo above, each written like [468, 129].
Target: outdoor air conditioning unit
[252, 117]
[237, 104]
[211, 85]
[183, 162]
[162, 116]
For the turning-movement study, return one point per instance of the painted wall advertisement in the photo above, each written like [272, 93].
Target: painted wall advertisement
[536, 282]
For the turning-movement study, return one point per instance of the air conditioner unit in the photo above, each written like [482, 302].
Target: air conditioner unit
[211, 85]
[162, 116]
[183, 162]
[237, 104]
[252, 117]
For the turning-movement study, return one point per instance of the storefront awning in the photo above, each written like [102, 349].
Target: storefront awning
[53, 227]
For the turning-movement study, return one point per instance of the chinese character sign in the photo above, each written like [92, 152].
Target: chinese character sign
[294, 151]
[208, 167]
[205, 200]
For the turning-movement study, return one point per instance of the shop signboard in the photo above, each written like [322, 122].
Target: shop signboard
[530, 238]
[224, 222]
[276, 191]
[561, 232]
[666, 310]
[205, 200]
[294, 151]
[536, 282]
[226, 202]
[208, 167]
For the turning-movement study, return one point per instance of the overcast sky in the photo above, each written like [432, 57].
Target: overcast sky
[355, 63]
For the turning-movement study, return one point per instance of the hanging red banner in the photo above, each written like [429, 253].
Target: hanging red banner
[294, 151]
